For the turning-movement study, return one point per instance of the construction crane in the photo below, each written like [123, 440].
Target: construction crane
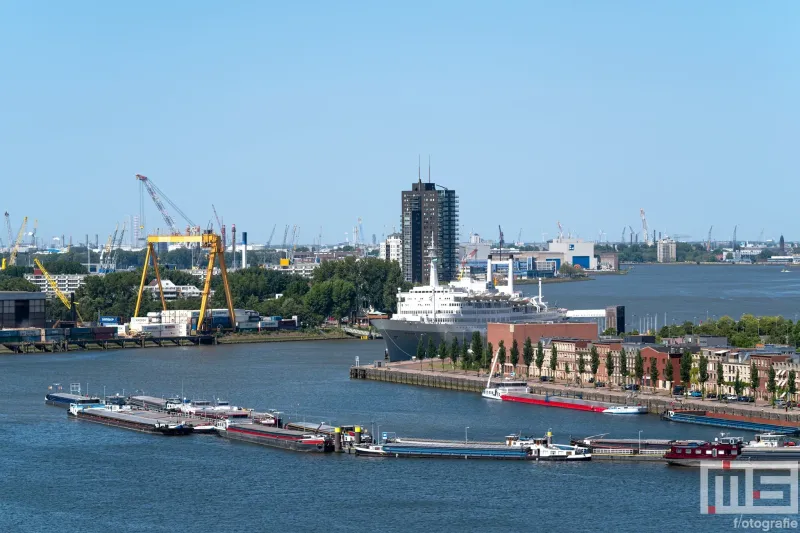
[761, 236]
[624, 229]
[15, 247]
[708, 242]
[647, 240]
[105, 254]
[271, 235]
[9, 230]
[71, 306]
[501, 242]
[462, 270]
[294, 242]
[221, 227]
[560, 230]
[213, 243]
[156, 194]
[519, 237]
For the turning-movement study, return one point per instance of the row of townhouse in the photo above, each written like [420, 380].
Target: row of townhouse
[733, 360]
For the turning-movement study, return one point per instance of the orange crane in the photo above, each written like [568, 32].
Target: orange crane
[463, 267]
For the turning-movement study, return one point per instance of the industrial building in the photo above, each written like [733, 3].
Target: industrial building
[66, 283]
[429, 222]
[576, 252]
[392, 248]
[22, 309]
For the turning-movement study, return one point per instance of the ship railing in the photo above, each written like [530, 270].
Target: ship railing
[626, 451]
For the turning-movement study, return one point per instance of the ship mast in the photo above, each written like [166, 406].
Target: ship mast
[491, 369]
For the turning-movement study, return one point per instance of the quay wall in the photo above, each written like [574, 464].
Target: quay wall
[655, 403]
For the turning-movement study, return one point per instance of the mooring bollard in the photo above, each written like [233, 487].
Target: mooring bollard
[337, 440]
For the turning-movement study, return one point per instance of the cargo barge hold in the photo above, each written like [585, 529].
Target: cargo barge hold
[288, 439]
[731, 422]
[129, 419]
[575, 404]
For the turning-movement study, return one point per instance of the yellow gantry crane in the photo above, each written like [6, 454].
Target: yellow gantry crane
[15, 248]
[54, 286]
[208, 240]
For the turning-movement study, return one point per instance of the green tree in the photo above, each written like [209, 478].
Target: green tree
[553, 359]
[455, 351]
[610, 366]
[720, 378]
[738, 385]
[754, 378]
[581, 366]
[653, 373]
[791, 385]
[501, 356]
[514, 354]
[772, 386]
[594, 363]
[539, 356]
[669, 372]
[527, 354]
[623, 365]
[431, 350]
[420, 350]
[9, 283]
[686, 367]
[488, 356]
[466, 360]
[477, 348]
[703, 367]
[638, 367]
[442, 351]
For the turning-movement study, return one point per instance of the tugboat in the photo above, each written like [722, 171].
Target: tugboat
[692, 453]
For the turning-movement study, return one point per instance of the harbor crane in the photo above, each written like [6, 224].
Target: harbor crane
[117, 248]
[285, 236]
[70, 305]
[622, 241]
[560, 230]
[271, 235]
[105, 254]
[708, 242]
[208, 240]
[733, 244]
[156, 194]
[221, 227]
[15, 247]
[633, 234]
[644, 228]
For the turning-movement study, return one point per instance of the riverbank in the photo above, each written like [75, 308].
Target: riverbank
[171, 342]
[534, 281]
[421, 374]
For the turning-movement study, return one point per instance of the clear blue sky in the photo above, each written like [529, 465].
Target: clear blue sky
[315, 114]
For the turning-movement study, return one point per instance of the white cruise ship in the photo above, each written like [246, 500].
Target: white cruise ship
[457, 310]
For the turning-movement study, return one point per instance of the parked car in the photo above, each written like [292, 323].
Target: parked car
[711, 396]
[746, 399]
[631, 386]
[677, 390]
[696, 394]
[600, 384]
[731, 397]
[591, 380]
[544, 378]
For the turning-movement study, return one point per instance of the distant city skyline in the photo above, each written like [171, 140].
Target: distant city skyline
[317, 115]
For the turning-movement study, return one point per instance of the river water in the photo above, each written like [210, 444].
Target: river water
[683, 292]
[68, 475]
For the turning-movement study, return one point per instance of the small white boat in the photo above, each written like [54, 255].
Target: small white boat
[507, 386]
[626, 410]
[785, 270]
[542, 448]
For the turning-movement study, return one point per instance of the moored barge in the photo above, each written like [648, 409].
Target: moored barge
[300, 441]
[129, 419]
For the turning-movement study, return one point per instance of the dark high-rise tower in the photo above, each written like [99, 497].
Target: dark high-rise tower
[430, 222]
[782, 245]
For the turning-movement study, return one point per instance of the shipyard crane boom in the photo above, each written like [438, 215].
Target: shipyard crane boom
[156, 194]
[15, 247]
[644, 228]
[53, 285]
[10, 240]
[117, 248]
[285, 236]
[221, 226]
[271, 235]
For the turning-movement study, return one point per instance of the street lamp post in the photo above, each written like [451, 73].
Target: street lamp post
[465, 434]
